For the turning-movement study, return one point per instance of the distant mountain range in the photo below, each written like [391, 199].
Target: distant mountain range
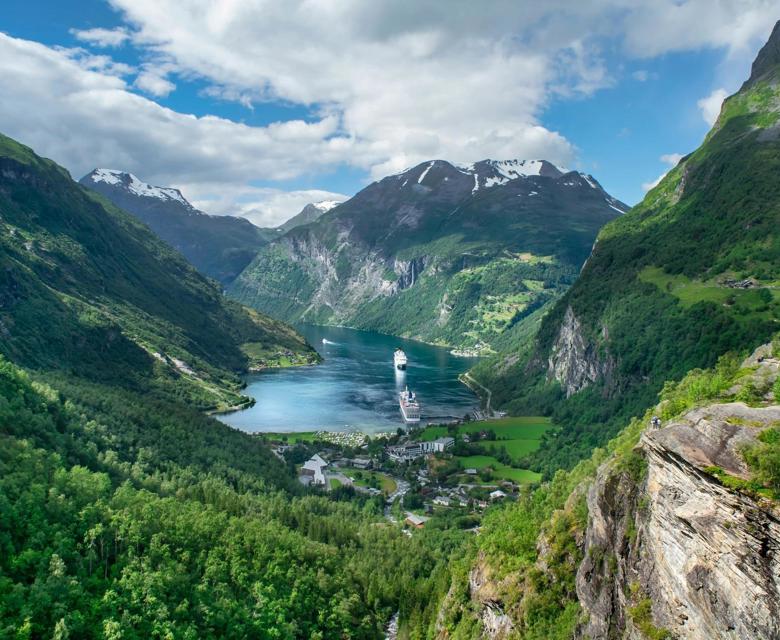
[218, 246]
[310, 213]
[445, 253]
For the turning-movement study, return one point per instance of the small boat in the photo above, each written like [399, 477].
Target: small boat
[399, 359]
[410, 407]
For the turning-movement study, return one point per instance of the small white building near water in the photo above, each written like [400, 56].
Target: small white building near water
[438, 446]
[314, 467]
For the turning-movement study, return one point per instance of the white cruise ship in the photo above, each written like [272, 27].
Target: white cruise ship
[410, 408]
[399, 359]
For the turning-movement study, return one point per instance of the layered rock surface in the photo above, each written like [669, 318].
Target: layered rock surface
[704, 557]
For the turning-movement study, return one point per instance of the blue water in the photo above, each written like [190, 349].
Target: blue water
[356, 387]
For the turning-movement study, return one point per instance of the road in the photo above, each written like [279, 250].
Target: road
[401, 488]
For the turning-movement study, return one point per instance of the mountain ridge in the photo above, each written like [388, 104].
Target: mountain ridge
[688, 274]
[86, 288]
[438, 252]
[218, 246]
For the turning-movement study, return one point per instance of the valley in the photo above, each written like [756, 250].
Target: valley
[474, 401]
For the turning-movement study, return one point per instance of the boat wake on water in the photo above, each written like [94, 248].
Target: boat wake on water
[326, 341]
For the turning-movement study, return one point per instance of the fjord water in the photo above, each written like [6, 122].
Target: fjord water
[356, 387]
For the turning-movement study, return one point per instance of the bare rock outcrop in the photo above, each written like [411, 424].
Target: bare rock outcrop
[679, 550]
[574, 361]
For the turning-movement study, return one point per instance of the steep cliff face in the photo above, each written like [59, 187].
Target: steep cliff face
[574, 361]
[443, 253]
[684, 553]
[668, 532]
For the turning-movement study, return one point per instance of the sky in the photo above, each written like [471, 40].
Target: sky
[257, 107]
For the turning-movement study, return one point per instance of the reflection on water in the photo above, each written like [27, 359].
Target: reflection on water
[356, 387]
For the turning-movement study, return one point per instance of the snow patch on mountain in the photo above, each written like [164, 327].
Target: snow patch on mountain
[326, 205]
[425, 173]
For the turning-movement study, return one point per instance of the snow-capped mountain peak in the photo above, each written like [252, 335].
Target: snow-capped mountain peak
[132, 184]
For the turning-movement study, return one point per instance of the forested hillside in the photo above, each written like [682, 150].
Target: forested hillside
[129, 518]
[691, 272]
[596, 552]
[88, 290]
[125, 512]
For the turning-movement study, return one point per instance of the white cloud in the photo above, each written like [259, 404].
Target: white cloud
[710, 105]
[263, 207]
[656, 27]
[670, 159]
[83, 118]
[390, 83]
[154, 83]
[102, 37]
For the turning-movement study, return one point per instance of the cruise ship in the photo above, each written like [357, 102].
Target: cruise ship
[399, 358]
[410, 408]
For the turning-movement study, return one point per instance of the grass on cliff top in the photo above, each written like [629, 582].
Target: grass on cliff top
[690, 292]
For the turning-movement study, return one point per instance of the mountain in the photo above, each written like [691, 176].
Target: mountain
[690, 273]
[443, 253]
[668, 531]
[310, 213]
[218, 246]
[87, 290]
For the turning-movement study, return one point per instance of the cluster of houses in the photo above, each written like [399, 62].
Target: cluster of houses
[414, 450]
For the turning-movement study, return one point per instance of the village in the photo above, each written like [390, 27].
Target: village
[417, 476]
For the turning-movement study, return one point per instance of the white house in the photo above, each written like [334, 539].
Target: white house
[314, 466]
[437, 446]
[497, 495]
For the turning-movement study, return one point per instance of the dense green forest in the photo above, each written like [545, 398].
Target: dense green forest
[125, 512]
[690, 273]
[125, 518]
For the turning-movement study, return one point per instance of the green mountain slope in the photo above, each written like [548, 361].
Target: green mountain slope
[125, 512]
[595, 552]
[690, 273]
[124, 516]
[446, 254]
[88, 290]
[218, 246]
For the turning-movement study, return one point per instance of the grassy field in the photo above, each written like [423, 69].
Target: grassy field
[515, 448]
[385, 482]
[510, 428]
[335, 483]
[290, 438]
[520, 435]
[500, 471]
[689, 292]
